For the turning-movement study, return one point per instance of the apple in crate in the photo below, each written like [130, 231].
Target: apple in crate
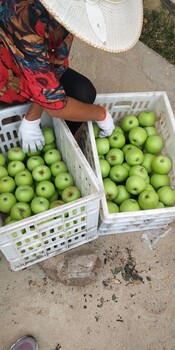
[56, 203]
[3, 171]
[63, 180]
[137, 136]
[154, 144]
[147, 118]
[166, 195]
[110, 189]
[24, 193]
[16, 153]
[23, 177]
[41, 173]
[128, 122]
[134, 156]
[115, 156]
[2, 159]
[48, 147]
[45, 189]
[159, 180]
[20, 211]
[118, 173]
[39, 205]
[104, 167]
[112, 207]
[135, 184]
[70, 194]
[14, 167]
[7, 184]
[7, 200]
[48, 134]
[161, 164]
[129, 204]
[102, 145]
[148, 200]
[58, 167]
[34, 161]
[52, 156]
[116, 139]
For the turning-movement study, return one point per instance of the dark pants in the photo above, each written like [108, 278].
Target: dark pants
[80, 88]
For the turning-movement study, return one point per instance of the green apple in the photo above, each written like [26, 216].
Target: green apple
[147, 162]
[7, 184]
[45, 189]
[147, 118]
[14, 167]
[104, 168]
[2, 159]
[154, 144]
[118, 173]
[41, 173]
[134, 157]
[63, 180]
[129, 204]
[101, 156]
[102, 145]
[159, 180]
[70, 194]
[116, 139]
[148, 200]
[49, 147]
[7, 219]
[24, 193]
[58, 167]
[127, 166]
[30, 154]
[138, 170]
[137, 136]
[112, 207]
[135, 184]
[115, 156]
[149, 187]
[110, 189]
[161, 164]
[48, 134]
[54, 197]
[128, 147]
[160, 205]
[118, 128]
[56, 203]
[128, 122]
[20, 211]
[23, 177]
[34, 161]
[96, 130]
[151, 130]
[16, 153]
[3, 171]
[7, 200]
[122, 195]
[166, 195]
[39, 205]
[52, 156]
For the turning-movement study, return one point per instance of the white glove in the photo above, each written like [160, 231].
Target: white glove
[31, 135]
[106, 125]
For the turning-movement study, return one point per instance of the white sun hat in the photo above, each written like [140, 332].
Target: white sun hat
[110, 25]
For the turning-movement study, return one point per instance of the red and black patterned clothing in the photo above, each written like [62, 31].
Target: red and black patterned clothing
[34, 50]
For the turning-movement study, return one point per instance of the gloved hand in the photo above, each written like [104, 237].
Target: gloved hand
[107, 125]
[31, 135]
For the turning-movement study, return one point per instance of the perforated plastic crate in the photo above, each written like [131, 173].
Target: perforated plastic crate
[57, 230]
[119, 105]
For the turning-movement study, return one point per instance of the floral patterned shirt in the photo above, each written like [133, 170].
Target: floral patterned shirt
[34, 50]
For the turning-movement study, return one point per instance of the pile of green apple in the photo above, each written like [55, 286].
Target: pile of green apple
[134, 170]
[33, 183]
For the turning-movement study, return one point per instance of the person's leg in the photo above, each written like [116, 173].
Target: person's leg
[79, 87]
[25, 343]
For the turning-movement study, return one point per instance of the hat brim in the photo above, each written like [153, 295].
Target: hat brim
[123, 22]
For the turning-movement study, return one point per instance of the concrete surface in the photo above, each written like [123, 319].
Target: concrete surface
[117, 311]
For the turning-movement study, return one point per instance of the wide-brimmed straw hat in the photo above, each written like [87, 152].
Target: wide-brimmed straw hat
[110, 25]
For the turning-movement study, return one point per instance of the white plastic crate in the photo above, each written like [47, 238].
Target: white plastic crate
[57, 230]
[119, 105]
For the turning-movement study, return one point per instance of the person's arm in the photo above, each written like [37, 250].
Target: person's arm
[73, 111]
